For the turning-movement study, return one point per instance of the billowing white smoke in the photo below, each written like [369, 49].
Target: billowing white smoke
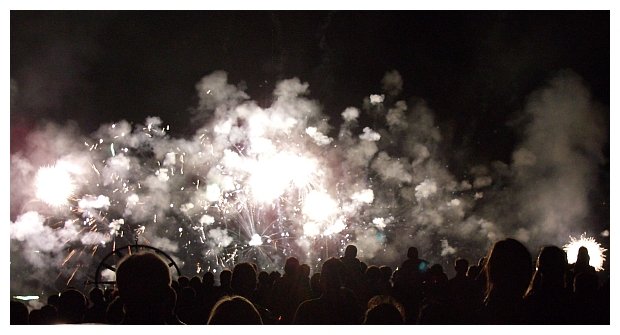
[556, 166]
[383, 188]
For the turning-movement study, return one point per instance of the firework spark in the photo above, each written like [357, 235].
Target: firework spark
[595, 251]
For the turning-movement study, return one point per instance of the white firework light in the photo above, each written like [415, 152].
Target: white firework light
[262, 184]
[54, 185]
[595, 251]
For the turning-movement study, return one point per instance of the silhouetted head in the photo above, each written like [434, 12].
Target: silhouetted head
[551, 267]
[208, 279]
[373, 273]
[183, 281]
[243, 281]
[187, 296]
[143, 281]
[333, 273]
[49, 315]
[263, 277]
[305, 270]
[291, 266]
[195, 281]
[96, 295]
[412, 253]
[386, 272]
[583, 257]
[461, 265]
[552, 262]
[72, 305]
[436, 269]
[384, 310]
[350, 251]
[273, 276]
[508, 268]
[234, 310]
[383, 314]
[225, 277]
[53, 299]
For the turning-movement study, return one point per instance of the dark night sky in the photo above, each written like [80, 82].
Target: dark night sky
[474, 68]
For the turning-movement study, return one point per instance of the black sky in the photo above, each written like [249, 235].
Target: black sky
[475, 69]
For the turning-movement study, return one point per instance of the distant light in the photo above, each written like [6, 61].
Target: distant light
[26, 297]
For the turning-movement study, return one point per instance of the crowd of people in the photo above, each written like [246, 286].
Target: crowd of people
[506, 286]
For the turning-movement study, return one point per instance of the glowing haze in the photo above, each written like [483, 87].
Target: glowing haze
[262, 184]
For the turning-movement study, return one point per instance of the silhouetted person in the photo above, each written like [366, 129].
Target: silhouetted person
[385, 282]
[460, 286]
[508, 270]
[49, 315]
[196, 283]
[234, 310]
[108, 294]
[304, 278]
[243, 283]
[315, 285]
[210, 294]
[183, 281]
[547, 300]
[262, 292]
[171, 316]
[53, 299]
[71, 306]
[18, 313]
[337, 305]
[480, 281]
[288, 292]
[224, 288]
[356, 278]
[582, 264]
[35, 317]
[437, 282]
[187, 309]
[589, 308]
[373, 281]
[408, 284]
[414, 267]
[384, 310]
[114, 314]
[143, 280]
[96, 312]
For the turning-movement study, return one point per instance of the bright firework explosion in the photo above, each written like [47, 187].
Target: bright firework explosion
[595, 251]
[262, 184]
[54, 185]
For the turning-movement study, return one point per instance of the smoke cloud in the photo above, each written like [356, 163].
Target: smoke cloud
[242, 186]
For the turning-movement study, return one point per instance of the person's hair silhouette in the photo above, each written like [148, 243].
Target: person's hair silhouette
[143, 280]
[234, 310]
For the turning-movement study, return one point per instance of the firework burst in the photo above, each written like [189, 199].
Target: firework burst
[595, 251]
